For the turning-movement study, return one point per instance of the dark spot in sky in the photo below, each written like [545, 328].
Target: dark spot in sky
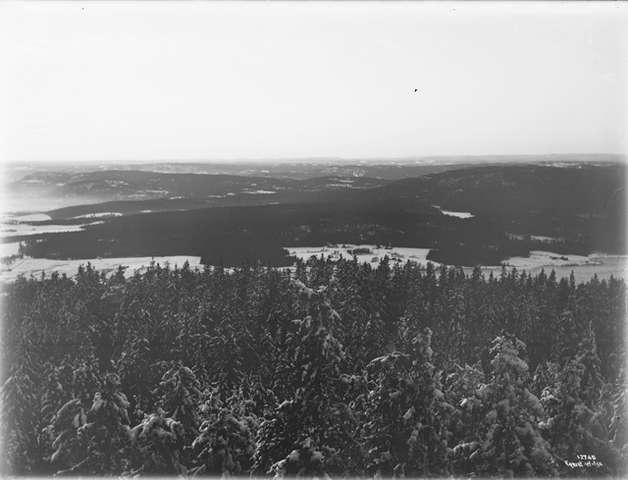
[416, 90]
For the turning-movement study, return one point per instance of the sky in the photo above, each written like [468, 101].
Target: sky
[193, 81]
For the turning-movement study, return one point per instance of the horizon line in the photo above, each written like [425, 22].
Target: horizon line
[326, 159]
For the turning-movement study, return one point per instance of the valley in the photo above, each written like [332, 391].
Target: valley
[445, 217]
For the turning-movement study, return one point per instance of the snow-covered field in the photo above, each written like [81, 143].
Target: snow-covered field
[35, 266]
[583, 267]
[539, 258]
[259, 192]
[452, 213]
[374, 255]
[457, 214]
[99, 215]
[8, 249]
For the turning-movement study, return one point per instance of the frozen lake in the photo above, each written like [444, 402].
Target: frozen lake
[26, 225]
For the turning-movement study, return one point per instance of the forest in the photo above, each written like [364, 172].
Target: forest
[579, 208]
[328, 369]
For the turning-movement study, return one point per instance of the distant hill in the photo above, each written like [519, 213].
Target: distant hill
[515, 208]
[303, 168]
[574, 189]
[170, 191]
[580, 203]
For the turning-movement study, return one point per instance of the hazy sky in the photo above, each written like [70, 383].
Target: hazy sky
[193, 81]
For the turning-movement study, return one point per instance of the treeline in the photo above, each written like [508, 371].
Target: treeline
[333, 368]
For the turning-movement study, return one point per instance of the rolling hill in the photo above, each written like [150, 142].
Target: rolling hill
[515, 208]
